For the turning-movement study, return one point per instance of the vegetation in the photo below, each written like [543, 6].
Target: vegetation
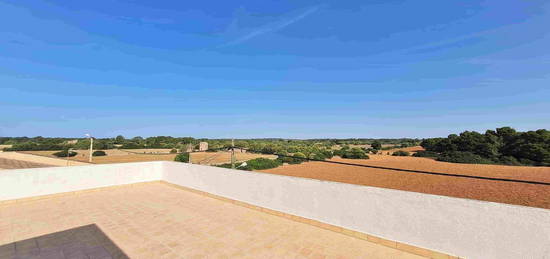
[353, 153]
[65, 153]
[262, 164]
[255, 164]
[400, 153]
[501, 146]
[296, 158]
[424, 153]
[182, 157]
[376, 145]
[99, 153]
[462, 157]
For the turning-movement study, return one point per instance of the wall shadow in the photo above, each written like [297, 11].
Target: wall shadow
[82, 242]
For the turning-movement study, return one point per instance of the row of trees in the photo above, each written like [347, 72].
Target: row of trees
[502, 146]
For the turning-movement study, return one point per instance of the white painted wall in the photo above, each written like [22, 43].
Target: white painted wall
[460, 227]
[24, 183]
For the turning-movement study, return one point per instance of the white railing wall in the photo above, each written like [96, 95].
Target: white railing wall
[460, 227]
[25, 183]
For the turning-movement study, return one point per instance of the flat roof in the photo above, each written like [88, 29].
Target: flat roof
[157, 220]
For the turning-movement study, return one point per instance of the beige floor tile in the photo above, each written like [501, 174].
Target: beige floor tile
[160, 221]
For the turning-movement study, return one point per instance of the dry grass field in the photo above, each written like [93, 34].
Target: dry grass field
[116, 155]
[4, 146]
[19, 164]
[142, 155]
[211, 158]
[408, 149]
[504, 192]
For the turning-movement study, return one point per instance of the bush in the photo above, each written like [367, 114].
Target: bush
[400, 153]
[173, 151]
[182, 157]
[425, 153]
[292, 160]
[65, 153]
[99, 153]
[355, 153]
[255, 164]
[509, 160]
[376, 145]
[131, 145]
[28, 146]
[261, 164]
[462, 157]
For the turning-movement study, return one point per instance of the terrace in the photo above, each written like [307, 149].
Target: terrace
[172, 210]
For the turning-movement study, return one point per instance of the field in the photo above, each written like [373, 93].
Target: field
[141, 155]
[210, 158]
[117, 155]
[4, 146]
[504, 192]
[408, 149]
[18, 164]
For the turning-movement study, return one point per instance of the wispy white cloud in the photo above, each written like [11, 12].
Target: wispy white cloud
[272, 27]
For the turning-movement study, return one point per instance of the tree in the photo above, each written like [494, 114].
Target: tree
[182, 157]
[65, 153]
[376, 145]
[400, 153]
[119, 139]
[355, 153]
[99, 153]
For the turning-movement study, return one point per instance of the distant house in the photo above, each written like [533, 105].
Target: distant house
[203, 146]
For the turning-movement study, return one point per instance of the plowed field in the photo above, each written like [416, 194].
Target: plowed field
[504, 192]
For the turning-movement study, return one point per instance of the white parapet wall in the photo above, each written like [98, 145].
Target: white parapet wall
[459, 227]
[26, 183]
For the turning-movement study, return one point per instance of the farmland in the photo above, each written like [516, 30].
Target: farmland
[116, 155]
[223, 157]
[504, 192]
[142, 155]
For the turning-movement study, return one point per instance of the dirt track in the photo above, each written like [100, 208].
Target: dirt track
[504, 192]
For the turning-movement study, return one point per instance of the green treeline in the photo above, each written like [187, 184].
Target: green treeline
[501, 146]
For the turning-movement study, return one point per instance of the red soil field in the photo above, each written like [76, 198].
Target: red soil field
[486, 190]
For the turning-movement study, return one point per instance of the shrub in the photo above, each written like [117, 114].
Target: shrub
[261, 164]
[400, 153]
[99, 153]
[424, 153]
[462, 157]
[65, 153]
[509, 160]
[173, 151]
[355, 153]
[182, 157]
[255, 164]
[228, 165]
[131, 145]
[292, 160]
[27, 146]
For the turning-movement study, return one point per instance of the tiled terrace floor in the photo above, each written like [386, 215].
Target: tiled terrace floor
[159, 221]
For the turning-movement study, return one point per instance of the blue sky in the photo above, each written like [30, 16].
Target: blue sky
[292, 69]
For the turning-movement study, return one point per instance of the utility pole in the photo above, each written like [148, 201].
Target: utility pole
[232, 153]
[68, 152]
[91, 146]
